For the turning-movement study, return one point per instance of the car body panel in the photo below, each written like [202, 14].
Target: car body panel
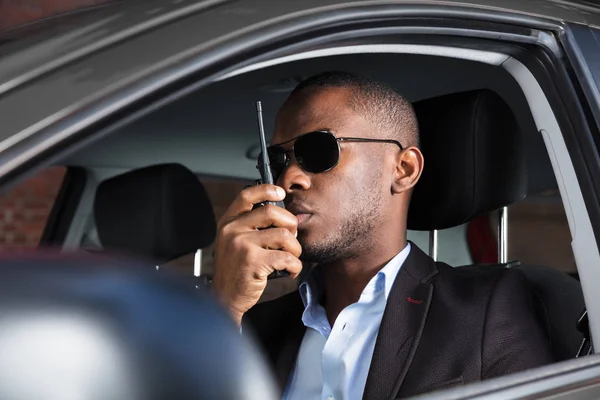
[73, 84]
[586, 50]
[37, 46]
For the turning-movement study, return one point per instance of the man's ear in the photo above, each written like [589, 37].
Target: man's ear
[409, 167]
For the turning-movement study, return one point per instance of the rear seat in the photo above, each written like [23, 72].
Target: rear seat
[158, 213]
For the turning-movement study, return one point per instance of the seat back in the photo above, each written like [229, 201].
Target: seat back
[475, 164]
[560, 302]
[159, 213]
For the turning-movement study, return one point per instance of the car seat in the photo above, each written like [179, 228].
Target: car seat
[158, 213]
[475, 164]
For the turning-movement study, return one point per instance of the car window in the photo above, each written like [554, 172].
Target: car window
[538, 234]
[452, 245]
[25, 208]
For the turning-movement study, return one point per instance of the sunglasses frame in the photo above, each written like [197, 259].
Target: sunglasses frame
[337, 139]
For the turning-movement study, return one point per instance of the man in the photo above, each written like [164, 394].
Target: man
[376, 318]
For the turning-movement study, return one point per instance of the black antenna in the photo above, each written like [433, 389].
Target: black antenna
[266, 175]
[266, 167]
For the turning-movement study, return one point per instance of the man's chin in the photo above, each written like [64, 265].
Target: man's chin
[317, 257]
[312, 253]
[310, 258]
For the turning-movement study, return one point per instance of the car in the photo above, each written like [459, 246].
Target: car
[147, 103]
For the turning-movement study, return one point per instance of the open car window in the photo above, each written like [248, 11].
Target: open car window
[211, 153]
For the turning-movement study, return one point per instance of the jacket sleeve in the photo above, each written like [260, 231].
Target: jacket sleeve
[514, 339]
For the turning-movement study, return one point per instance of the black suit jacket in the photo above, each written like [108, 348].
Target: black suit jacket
[442, 327]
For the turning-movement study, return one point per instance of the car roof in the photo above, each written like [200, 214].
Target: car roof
[72, 32]
[26, 47]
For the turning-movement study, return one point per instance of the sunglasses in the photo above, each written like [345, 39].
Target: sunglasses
[315, 152]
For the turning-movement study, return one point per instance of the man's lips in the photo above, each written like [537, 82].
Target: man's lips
[302, 213]
[302, 217]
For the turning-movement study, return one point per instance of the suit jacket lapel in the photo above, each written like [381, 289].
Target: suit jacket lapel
[401, 326]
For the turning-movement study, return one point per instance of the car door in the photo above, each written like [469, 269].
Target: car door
[581, 44]
[79, 96]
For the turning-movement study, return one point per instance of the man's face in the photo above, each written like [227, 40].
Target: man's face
[337, 210]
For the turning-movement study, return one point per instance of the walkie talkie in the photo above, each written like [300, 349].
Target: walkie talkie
[264, 168]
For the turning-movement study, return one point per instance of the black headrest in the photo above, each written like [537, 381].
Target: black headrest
[91, 327]
[160, 212]
[474, 159]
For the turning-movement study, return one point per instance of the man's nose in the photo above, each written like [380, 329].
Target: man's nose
[294, 178]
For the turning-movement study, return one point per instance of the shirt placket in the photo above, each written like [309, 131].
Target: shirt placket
[338, 343]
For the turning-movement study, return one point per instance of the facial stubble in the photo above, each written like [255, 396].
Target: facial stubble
[353, 235]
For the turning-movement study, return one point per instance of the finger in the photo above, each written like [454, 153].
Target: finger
[279, 239]
[266, 217]
[252, 195]
[280, 261]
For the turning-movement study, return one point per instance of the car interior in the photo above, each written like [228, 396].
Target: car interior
[154, 188]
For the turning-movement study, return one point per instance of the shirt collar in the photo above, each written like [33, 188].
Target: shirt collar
[312, 288]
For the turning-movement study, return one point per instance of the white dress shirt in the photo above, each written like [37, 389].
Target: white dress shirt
[333, 362]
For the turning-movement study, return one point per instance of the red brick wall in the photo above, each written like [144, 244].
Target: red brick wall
[25, 208]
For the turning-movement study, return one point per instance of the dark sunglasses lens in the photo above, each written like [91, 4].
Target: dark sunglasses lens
[317, 151]
[278, 161]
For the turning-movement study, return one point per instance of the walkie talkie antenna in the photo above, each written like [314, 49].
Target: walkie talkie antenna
[266, 168]
[266, 174]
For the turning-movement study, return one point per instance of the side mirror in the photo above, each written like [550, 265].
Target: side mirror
[94, 327]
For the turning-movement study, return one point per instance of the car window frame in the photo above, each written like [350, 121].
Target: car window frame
[64, 208]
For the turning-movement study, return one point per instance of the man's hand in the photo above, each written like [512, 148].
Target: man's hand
[246, 253]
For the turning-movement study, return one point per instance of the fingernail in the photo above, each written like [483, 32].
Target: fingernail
[296, 234]
[280, 192]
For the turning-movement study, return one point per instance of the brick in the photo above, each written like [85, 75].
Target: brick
[25, 208]
[8, 228]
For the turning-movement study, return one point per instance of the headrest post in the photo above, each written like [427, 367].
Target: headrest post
[503, 235]
[433, 244]
[198, 263]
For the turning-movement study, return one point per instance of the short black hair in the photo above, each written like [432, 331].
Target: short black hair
[376, 101]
